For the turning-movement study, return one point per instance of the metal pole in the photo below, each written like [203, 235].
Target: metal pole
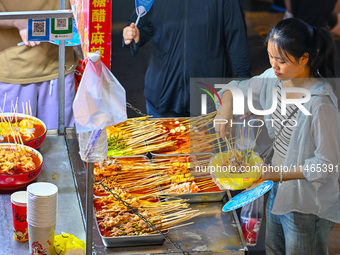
[61, 88]
[61, 81]
[89, 208]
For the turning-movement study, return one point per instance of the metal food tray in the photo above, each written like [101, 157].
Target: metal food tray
[120, 241]
[135, 240]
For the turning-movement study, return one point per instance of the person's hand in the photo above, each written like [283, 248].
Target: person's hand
[131, 33]
[22, 26]
[269, 173]
[224, 116]
[245, 115]
[222, 122]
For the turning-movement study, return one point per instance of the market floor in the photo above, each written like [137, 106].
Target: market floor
[260, 16]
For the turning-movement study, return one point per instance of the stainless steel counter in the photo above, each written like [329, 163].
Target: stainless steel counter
[57, 170]
[213, 232]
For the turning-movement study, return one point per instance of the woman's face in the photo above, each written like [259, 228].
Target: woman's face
[287, 68]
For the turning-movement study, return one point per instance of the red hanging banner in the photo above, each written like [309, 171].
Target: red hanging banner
[93, 19]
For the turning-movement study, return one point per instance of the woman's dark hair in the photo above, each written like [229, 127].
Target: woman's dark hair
[296, 37]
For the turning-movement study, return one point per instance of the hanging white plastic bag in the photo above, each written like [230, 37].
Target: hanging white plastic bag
[251, 218]
[100, 102]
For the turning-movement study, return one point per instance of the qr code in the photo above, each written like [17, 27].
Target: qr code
[39, 28]
[61, 24]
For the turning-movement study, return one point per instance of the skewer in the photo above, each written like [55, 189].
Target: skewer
[141, 129]
[4, 103]
[219, 146]
[182, 225]
[29, 103]
[167, 220]
[182, 211]
[174, 222]
[27, 109]
[247, 142]
[15, 107]
[256, 137]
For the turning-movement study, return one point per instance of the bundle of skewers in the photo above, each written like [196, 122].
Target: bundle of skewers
[14, 158]
[145, 180]
[186, 174]
[134, 175]
[238, 159]
[191, 135]
[136, 137]
[162, 136]
[14, 127]
[238, 163]
[116, 219]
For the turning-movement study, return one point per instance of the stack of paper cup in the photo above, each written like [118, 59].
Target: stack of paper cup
[42, 200]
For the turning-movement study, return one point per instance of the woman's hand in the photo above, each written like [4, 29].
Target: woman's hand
[131, 33]
[225, 115]
[269, 173]
[280, 173]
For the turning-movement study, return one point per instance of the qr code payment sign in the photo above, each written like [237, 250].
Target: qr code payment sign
[61, 24]
[38, 28]
[61, 28]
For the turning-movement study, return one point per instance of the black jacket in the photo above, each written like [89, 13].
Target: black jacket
[190, 39]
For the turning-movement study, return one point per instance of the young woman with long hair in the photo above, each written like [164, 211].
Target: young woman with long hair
[303, 207]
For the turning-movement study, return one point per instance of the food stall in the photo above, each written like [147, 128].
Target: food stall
[212, 231]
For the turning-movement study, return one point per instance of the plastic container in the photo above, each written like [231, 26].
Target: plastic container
[225, 176]
[93, 146]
